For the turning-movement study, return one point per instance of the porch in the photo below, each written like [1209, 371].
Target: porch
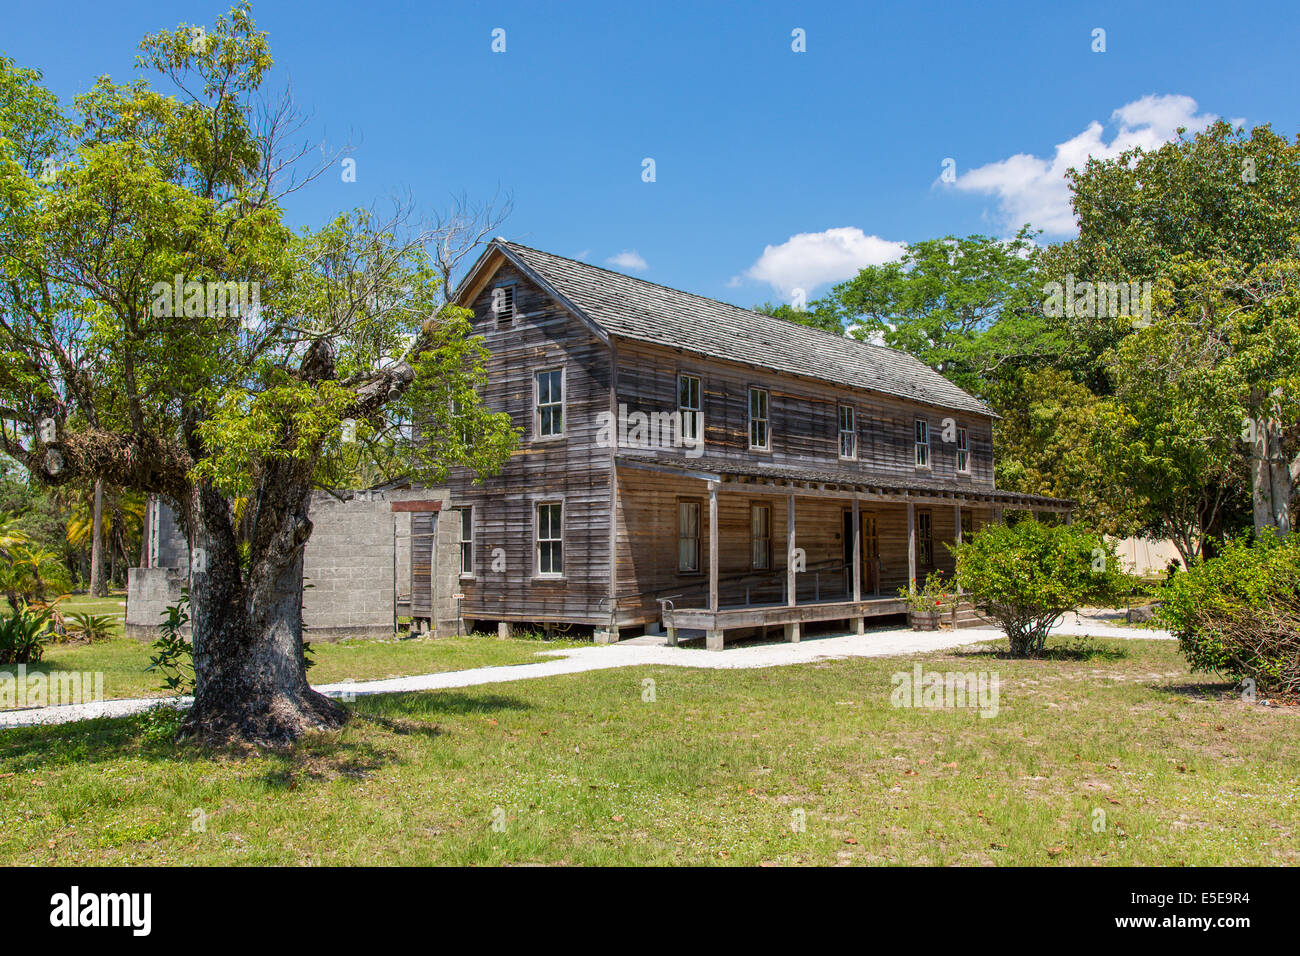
[786, 547]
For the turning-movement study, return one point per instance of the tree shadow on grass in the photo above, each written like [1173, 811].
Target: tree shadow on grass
[1074, 652]
[414, 705]
[1200, 691]
[151, 736]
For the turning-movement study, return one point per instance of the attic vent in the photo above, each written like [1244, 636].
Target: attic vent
[503, 304]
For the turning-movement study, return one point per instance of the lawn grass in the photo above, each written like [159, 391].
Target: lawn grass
[717, 769]
[123, 660]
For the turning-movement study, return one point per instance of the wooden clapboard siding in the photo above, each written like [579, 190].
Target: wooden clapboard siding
[572, 469]
[804, 418]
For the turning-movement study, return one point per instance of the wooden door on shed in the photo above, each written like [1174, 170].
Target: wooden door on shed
[424, 528]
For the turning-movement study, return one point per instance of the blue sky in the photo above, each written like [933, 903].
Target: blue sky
[774, 169]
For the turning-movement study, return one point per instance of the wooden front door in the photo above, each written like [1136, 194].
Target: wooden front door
[870, 551]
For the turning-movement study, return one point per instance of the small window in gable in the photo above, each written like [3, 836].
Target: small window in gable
[503, 304]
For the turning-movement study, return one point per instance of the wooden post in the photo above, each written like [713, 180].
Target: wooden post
[956, 536]
[791, 630]
[997, 514]
[857, 551]
[911, 546]
[713, 547]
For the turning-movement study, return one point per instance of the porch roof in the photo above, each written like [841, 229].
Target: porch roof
[758, 478]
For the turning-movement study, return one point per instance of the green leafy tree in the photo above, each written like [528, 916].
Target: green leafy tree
[244, 383]
[1213, 220]
[967, 307]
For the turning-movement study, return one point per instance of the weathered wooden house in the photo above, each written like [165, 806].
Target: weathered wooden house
[689, 463]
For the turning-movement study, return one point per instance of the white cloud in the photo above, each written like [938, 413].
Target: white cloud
[1033, 189]
[628, 259]
[810, 259]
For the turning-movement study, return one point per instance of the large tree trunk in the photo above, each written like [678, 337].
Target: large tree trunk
[1280, 479]
[1270, 477]
[250, 678]
[97, 587]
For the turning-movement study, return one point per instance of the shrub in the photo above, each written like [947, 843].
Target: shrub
[88, 627]
[23, 635]
[936, 595]
[173, 656]
[1026, 576]
[1238, 614]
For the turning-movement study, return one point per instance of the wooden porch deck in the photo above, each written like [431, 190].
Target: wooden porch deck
[789, 616]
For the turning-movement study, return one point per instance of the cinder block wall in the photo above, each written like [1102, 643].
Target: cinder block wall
[356, 568]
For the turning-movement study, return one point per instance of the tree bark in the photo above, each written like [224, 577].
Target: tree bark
[251, 681]
[97, 587]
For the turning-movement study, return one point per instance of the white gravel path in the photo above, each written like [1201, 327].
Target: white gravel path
[630, 654]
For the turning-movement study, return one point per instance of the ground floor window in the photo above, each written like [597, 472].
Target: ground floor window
[466, 535]
[760, 534]
[925, 539]
[550, 538]
[967, 525]
[688, 536]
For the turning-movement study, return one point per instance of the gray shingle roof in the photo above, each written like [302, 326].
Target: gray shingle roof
[635, 309]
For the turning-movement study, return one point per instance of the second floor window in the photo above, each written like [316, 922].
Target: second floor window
[550, 403]
[688, 405]
[550, 539]
[760, 436]
[466, 542]
[963, 451]
[922, 443]
[848, 433]
[688, 536]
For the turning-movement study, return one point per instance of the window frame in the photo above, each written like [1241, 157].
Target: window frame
[765, 421]
[851, 432]
[465, 512]
[921, 448]
[963, 450]
[754, 508]
[504, 319]
[683, 410]
[698, 505]
[538, 540]
[925, 538]
[562, 404]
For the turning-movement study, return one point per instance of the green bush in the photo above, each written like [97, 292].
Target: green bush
[1027, 575]
[23, 635]
[173, 656]
[1238, 614]
[89, 627]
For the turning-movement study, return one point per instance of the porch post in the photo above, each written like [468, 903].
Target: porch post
[791, 629]
[956, 536]
[911, 546]
[859, 623]
[713, 637]
[997, 514]
[857, 552]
